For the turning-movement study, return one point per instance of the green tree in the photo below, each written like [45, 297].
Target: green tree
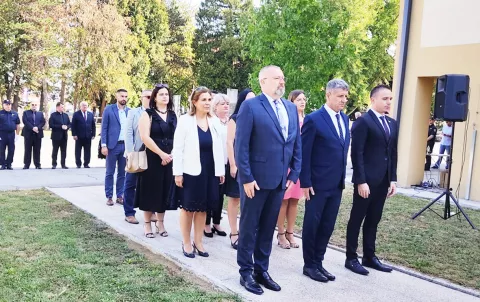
[218, 45]
[314, 41]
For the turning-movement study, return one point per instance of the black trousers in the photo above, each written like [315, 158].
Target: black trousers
[62, 144]
[371, 210]
[428, 158]
[216, 214]
[32, 143]
[85, 144]
[7, 142]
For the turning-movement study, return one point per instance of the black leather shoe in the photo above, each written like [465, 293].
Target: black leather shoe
[3, 168]
[9, 168]
[356, 267]
[314, 274]
[86, 167]
[251, 285]
[267, 281]
[188, 255]
[64, 167]
[38, 167]
[54, 167]
[326, 273]
[376, 264]
[78, 167]
[209, 235]
[219, 233]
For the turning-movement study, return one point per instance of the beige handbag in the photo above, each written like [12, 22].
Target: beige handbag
[137, 160]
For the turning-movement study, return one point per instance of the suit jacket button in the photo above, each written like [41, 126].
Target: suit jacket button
[386, 158]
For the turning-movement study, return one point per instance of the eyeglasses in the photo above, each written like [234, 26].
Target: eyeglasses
[161, 85]
[277, 78]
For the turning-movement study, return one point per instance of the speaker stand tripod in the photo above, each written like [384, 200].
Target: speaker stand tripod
[447, 193]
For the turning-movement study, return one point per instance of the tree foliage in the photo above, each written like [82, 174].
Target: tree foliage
[314, 41]
[218, 45]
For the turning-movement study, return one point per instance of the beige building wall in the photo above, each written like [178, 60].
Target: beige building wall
[444, 39]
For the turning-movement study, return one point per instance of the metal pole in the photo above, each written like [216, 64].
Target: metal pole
[470, 168]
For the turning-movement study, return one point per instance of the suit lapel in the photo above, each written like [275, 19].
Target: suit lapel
[291, 120]
[273, 115]
[115, 112]
[346, 123]
[329, 122]
[380, 126]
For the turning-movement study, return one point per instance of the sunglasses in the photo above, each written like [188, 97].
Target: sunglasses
[160, 85]
[200, 88]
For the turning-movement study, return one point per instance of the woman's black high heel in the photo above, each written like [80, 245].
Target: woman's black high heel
[200, 253]
[219, 233]
[189, 255]
[234, 244]
[209, 235]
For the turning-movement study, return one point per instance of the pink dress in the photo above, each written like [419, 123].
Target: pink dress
[295, 192]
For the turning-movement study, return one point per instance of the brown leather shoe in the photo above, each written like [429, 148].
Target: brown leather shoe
[110, 202]
[131, 219]
[120, 200]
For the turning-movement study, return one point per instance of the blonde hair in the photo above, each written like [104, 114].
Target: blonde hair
[195, 96]
[217, 99]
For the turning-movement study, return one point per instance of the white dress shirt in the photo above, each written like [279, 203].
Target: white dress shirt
[333, 116]
[379, 115]
[281, 111]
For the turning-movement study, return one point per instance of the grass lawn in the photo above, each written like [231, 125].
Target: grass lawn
[52, 251]
[448, 249]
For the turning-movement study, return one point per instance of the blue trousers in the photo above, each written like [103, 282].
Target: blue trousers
[116, 159]
[318, 223]
[443, 148]
[7, 142]
[129, 189]
[257, 225]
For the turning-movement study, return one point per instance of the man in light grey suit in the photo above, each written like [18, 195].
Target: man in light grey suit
[133, 142]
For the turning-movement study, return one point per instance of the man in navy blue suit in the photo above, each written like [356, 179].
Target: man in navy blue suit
[83, 132]
[33, 121]
[114, 124]
[267, 143]
[374, 160]
[325, 142]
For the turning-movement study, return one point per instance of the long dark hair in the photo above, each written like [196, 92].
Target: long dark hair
[155, 91]
[241, 97]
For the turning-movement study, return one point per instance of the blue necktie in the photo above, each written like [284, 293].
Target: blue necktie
[385, 127]
[281, 120]
[340, 128]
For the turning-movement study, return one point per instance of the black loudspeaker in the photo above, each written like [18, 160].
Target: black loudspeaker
[451, 97]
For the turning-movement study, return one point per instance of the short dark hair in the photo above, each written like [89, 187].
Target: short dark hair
[154, 96]
[378, 88]
[59, 104]
[122, 90]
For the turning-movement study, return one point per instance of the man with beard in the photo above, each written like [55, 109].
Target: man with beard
[374, 160]
[267, 143]
[114, 123]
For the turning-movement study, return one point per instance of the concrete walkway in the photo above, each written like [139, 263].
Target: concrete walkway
[285, 266]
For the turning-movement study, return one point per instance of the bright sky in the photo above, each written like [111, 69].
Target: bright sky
[196, 3]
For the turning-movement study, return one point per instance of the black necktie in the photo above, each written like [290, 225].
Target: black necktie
[34, 113]
[385, 127]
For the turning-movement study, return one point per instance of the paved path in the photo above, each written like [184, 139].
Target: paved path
[286, 265]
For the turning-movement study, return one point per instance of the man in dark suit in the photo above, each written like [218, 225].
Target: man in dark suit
[83, 132]
[114, 124]
[374, 159]
[325, 142]
[59, 122]
[32, 131]
[267, 143]
[9, 129]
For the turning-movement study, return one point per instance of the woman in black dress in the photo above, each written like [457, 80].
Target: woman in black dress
[157, 127]
[231, 185]
[198, 166]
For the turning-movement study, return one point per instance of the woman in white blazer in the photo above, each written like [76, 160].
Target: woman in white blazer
[198, 167]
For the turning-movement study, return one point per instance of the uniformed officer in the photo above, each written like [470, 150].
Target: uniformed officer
[9, 124]
[432, 134]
